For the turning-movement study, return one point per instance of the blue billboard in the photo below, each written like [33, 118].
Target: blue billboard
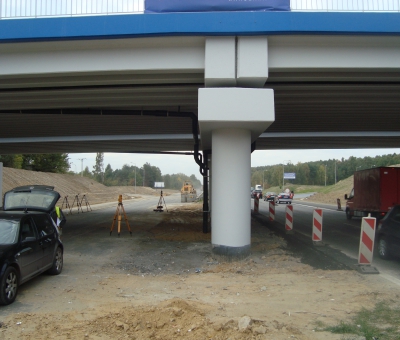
[289, 175]
[168, 6]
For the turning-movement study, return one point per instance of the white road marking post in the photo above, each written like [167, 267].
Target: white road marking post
[256, 203]
[289, 218]
[367, 239]
[366, 250]
[271, 210]
[317, 226]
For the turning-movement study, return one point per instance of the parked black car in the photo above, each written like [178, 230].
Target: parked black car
[30, 241]
[388, 234]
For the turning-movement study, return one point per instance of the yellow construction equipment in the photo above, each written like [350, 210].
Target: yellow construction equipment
[188, 192]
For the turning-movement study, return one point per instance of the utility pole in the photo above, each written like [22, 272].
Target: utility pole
[283, 176]
[263, 178]
[335, 171]
[81, 159]
[134, 164]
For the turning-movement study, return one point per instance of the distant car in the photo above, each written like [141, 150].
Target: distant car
[284, 198]
[30, 243]
[256, 192]
[388, 234]
[270, 196]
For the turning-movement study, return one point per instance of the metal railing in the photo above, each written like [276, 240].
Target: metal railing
[11, 9]
[345, 5]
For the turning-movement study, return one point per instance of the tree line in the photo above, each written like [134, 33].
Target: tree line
[321, 172]
[310, 173]
[145, 175]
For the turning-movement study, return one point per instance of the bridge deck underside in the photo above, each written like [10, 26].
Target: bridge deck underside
[352, 114]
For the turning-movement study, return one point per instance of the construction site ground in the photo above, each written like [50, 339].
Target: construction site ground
[163, 282]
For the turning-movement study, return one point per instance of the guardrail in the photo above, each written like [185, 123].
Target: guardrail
[11, 9]
[345, 5]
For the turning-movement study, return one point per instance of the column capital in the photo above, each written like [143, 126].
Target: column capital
[245, 108]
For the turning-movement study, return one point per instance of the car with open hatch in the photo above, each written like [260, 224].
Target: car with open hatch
[30, 242]
[388, 234]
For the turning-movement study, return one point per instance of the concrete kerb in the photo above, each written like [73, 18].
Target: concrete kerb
[302, 241]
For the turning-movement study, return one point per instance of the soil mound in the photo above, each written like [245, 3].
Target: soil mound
[69, 185]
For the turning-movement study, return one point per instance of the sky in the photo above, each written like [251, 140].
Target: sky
[173, 164]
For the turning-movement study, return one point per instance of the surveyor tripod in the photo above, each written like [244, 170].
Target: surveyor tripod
[160, 204]
[118, 213]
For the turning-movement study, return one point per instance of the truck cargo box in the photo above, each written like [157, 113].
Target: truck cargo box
[375, 191]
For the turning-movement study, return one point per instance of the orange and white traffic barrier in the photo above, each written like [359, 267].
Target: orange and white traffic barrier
[271, 210]
[317, 225]
[289, 218]
[256, 203]
[366, 251]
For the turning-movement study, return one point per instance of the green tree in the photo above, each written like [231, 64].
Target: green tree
[108, 175]
[320, 176]
[256, 178]
[87, 173]
[54, 162]
[277, 175]
[152, 174]
[12, 161]
[98, 169]
[303, 173]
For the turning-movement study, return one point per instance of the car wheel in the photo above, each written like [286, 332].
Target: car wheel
[348, 216]
[383, 248]
[9, 286]
[57, 262]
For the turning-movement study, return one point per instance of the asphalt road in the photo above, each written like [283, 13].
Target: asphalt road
[337, 232]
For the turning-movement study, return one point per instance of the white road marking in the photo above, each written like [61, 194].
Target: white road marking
[316, 207]
[390, 278]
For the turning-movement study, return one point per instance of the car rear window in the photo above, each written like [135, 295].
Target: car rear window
[42, 200]
[8, 232]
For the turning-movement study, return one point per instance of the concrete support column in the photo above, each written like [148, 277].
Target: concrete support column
[230, 208]
[230, 120]
[1, 184]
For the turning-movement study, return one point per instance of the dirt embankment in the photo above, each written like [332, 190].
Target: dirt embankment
[337, 192]
[70, 186]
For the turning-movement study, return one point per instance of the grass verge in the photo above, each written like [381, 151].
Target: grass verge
[382, 322]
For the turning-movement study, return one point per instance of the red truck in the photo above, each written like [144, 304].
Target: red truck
[375, 191]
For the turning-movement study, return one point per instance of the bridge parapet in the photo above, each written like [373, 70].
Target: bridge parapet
[65, 8]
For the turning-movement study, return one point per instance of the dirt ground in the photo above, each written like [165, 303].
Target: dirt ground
[164, 283]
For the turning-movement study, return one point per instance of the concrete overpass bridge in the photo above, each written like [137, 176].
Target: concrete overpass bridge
[218, 84]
